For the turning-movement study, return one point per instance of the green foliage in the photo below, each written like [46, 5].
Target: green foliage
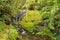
[8, 8]
[58, 37]
[48, 14]
[2, 26]
[29, 21]
[52, 15]
[12, 33]
[42, 16]
[3, 31]
[7, 32]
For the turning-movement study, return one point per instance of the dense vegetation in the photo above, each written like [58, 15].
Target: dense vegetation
[29, 19]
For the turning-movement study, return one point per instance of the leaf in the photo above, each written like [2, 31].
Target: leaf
[12, 33]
